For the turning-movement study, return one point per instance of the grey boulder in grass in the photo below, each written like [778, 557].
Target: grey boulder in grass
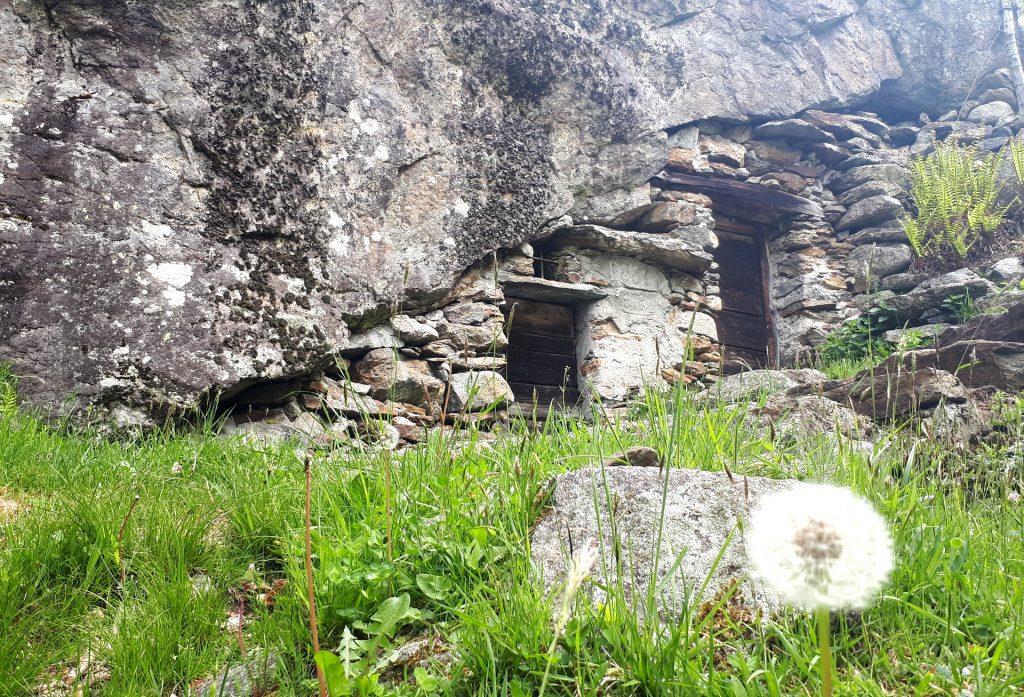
[701, 515]
[752, 384]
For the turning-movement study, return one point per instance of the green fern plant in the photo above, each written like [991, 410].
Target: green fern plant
[8, 394]
[956, 191]
[1016, 150]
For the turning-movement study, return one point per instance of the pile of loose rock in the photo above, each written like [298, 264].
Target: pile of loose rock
[947, 387]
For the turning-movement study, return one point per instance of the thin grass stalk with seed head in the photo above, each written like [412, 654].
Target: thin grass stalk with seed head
[314, 630]
[579, 570]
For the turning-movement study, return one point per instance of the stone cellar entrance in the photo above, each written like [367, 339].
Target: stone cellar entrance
[541, 353]
[744, 322]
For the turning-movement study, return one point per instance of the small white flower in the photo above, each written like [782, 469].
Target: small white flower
[819, 546]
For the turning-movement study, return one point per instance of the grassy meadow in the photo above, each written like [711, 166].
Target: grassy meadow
[165, 561]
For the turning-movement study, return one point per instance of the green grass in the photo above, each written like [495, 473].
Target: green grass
[448, 524]
[839, 368]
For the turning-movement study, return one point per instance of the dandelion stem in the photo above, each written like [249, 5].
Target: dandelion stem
[387, 506]
[825, 645]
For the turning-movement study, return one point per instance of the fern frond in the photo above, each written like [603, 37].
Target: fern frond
[1016, 148]
[8, 397]
[956, 191]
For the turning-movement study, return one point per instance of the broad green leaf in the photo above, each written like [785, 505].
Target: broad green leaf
[338, 684]
[480, 534]
[434, 587]
[391, 614]
[425, 681]
[473, 554]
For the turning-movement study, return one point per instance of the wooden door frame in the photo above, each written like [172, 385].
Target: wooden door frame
[769, 306]
[571, 388]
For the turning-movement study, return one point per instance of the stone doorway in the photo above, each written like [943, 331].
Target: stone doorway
[745, 327]
[541, 354]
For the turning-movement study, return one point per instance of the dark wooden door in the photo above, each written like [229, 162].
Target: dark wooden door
[743, 323]
[541, 352]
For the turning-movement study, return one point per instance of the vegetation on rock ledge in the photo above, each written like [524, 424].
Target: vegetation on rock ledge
[956, 191]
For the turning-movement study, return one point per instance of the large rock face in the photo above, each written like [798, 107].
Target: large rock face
[195, 196]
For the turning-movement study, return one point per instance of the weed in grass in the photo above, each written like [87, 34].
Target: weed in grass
[962, 307]
[820, 548]
[857, 344]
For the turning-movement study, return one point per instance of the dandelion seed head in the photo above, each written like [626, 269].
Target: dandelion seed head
[818, 542]
[818, 545]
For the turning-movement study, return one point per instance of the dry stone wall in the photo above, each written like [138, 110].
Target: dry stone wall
[395, 380]
[830, 267]
[652, 328]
